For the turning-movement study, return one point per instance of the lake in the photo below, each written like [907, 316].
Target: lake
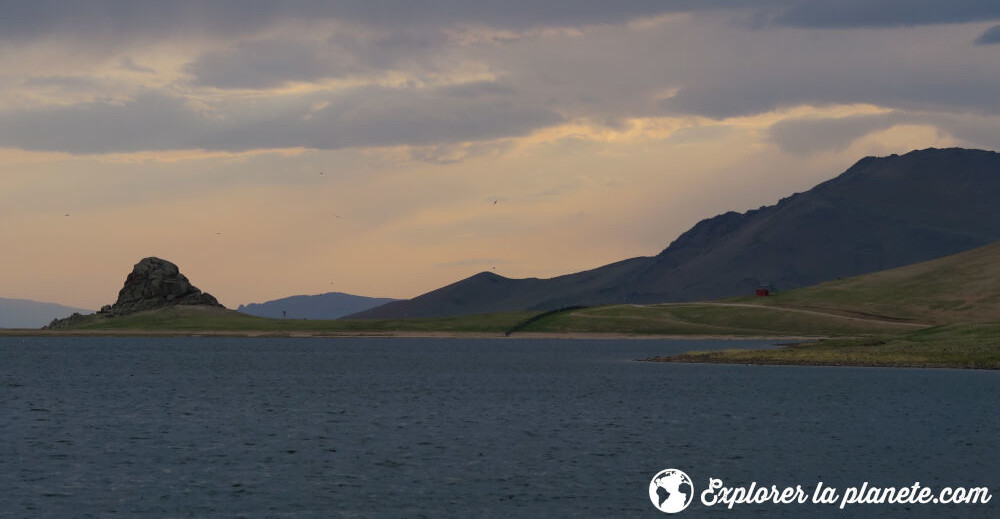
[376, 427]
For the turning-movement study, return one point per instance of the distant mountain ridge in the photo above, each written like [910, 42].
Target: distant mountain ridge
[332, 305]
[881, 213]
[24, 313]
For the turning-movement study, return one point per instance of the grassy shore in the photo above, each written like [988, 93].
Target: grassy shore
[973, 346]
[190, 320]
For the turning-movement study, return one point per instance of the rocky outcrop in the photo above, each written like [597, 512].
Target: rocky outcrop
[153, 283]
[156, 283]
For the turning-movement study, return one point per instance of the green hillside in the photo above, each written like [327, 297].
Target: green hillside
[962, 288]
[960, 294]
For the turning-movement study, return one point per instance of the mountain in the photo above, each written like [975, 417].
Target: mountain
[332, 305]
[879, 214]
[23, 313]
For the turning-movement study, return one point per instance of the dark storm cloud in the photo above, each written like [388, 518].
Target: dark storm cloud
[989, 36]
[362, 117]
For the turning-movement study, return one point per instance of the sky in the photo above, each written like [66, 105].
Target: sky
[388, 148]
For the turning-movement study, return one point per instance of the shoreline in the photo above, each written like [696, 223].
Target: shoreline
[402, 334]
[789, 353]
[832, 364]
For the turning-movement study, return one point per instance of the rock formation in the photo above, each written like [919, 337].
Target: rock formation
[156, 283]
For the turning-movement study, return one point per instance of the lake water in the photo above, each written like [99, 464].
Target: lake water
[206, 427]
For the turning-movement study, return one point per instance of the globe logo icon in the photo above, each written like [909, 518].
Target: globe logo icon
[671, 491]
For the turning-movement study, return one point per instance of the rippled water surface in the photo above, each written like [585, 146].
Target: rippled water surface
[201, 427]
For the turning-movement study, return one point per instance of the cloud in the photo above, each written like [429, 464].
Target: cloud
[360, 117]
[128, 20]
[426, 86]
[808, 135]
[879, 13]
[275, 62]
[924, 68]
[990, 36]
[152, 121]
[128, 64]
[263, 64]
[67, 82]
[117, 25]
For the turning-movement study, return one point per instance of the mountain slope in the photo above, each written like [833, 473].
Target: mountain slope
[961, 288]
[331, 305]
[24, 313]
[879, 214]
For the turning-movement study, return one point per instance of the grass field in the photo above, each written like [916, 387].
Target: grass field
[190, 319]
[959, 346]
[711, 319]
[962, 288]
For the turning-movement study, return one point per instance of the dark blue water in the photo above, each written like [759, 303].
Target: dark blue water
[205, 427]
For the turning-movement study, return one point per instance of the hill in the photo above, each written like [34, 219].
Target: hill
[960, 294]
[331, 305]
[879, 214]
[961, 288]
[24, 313]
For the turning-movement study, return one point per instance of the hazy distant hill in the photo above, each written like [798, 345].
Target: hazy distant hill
[332, 305]
[879, 214]
[23, 313]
